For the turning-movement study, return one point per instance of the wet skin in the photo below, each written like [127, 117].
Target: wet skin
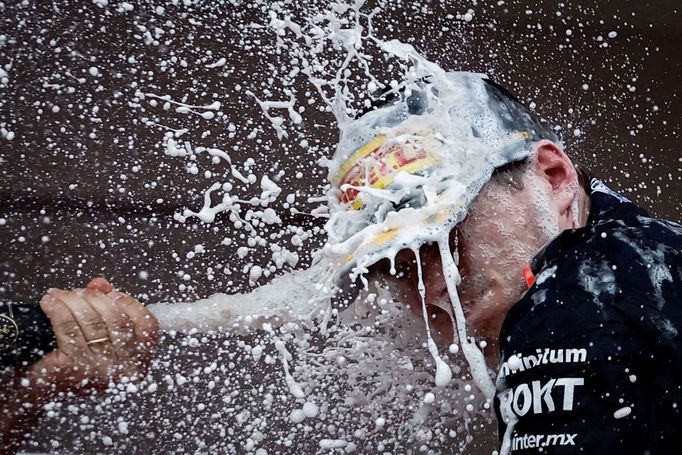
[504, 228]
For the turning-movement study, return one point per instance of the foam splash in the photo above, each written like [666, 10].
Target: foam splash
[367, 373]
[295, 296]
[424, 159]
[472, 353]
[443, 372]
[447, 125]
[293, 302]
[461, 164]
[369, 358]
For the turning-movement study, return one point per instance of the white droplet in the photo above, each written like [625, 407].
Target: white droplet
[514, 362]
[622, 412]
[297, 416]
[443, 373]
[310, 409]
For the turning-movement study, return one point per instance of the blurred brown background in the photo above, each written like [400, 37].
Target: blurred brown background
[87, 190]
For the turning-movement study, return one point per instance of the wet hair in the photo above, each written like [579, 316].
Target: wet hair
[518, 117]
[514, 116]
[511, 174]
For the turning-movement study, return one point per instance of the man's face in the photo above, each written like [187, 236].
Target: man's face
[504, 229]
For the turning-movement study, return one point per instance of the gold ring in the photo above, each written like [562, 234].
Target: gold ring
[98, 340]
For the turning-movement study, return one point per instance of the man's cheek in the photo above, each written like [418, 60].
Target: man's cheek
[477, 318]
[486, 311]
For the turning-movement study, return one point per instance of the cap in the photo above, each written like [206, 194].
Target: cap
[406, 171]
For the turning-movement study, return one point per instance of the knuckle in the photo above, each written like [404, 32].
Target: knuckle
[95, 324]
[127, 300]
[120, 325]
[63, 294]
[88, 292]
[69, 328]
[62, 362]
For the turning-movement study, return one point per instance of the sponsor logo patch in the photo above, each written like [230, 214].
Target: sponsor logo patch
[376, 164]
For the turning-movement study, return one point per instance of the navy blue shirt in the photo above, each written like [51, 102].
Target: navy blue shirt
[592, 353]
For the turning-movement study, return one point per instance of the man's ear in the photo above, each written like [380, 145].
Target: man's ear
[556, 168]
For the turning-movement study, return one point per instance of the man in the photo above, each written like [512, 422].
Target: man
[576, 291]
[102, 336]
[591, 354]
[590, 361]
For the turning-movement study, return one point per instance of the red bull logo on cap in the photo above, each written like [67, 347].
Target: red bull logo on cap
[376, 164]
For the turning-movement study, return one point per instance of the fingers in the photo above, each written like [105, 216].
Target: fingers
[89, 320]
[119, 326]
[146, 326]
[101, 284]
[82, 316]
[66, 329]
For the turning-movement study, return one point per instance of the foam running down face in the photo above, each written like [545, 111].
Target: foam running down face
[405, 173]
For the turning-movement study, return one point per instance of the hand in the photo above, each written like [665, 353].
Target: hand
[102, 336]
